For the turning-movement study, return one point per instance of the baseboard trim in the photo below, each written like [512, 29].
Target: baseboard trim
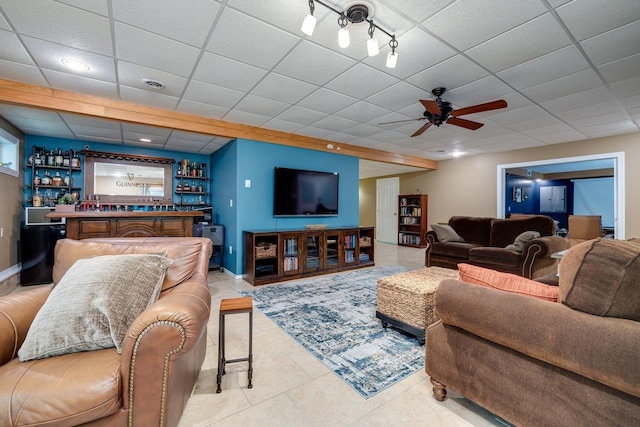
[10, 272]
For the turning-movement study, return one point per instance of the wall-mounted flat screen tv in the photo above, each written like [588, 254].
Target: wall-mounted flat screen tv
[299, 192]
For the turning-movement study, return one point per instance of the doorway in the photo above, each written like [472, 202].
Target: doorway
[618, 178]
[387, 192]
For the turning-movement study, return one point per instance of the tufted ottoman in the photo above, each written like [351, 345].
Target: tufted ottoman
[405, 300]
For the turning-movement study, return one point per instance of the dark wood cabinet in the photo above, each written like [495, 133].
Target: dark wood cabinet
[412, 220]
[273, 256]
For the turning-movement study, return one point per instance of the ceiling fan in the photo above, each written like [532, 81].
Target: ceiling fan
[439, 111]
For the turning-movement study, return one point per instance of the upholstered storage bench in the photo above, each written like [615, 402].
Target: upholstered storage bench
[405, 300]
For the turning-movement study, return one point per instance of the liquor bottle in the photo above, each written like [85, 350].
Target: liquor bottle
[185, 187]
[194, 171]
[57, 179]
[75, 160]
[178, 188]
[66, 160]
[59, 159]
[179, 172]
[194, 187]
[202, 169]
[51, 158]
[67, 180]
[37, 198]
[36, 179]
[200, 188]
[38, 158]
[46, 179]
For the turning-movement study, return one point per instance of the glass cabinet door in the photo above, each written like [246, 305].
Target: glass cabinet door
[349, 247]
[291, 247]
[332, 249]
[313, 252]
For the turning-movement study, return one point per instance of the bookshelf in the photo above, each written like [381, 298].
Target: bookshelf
[412, 220]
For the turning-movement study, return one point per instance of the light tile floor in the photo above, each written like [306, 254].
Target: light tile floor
[292, 388]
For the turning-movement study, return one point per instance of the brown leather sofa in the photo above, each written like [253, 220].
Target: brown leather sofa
[539, 363]
[485, 240]
[148, 384]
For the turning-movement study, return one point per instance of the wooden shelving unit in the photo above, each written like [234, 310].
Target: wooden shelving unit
[412, 220]
[273, 256]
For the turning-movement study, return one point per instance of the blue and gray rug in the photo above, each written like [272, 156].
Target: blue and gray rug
[333, 317]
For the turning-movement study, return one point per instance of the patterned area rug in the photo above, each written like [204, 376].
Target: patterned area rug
[333, 317]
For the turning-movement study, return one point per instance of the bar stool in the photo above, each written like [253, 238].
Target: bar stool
[234, 306]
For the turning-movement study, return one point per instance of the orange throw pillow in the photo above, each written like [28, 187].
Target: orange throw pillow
[507, 282]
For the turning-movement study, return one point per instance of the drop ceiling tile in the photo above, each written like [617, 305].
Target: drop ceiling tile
[52, 133]
[482, 90]
[201, 109]
[554, 65]
[586, 18]
[362, 130]
[398, 96]
[225, 72]
[526, 142]
[416, 50]
[595, 120]
[623, 69]
[514, 100]
[273, 84]
[327, 101]
[334, 123]
[102, 140]
[132, 75]
[246, 118]
[478, 21]
[45, 125]
[313, 64]
[547, 130]
[22, 73]
[185, 145]
[4, 25]
[313, 132]
[61, 24]
[89, 122]
[341, 137]
[416, 10]
[177, 135]
[578, 100]
[399, 119]
[271, 11]
[134, 141]
[215, 145]
[387, 136]
[538, 122]
[143, 48]
[261, 106]
[189, 25]
[243, 38]
[617, 129]
[613, 45]
[14, 111]
[541, 35]
[12, 50]
[557, 3]
[450, 73]
[282, 125]
[212, 94]
[50, 55]
[362, 112]
[154, 133]
[567, 85]
[630, 101]
[626, 87]
[361, 81]
[75, 83]
[560, 137]
[148, 97]
[80, 130]
[101, 8]
[592, 110]
[301, 115]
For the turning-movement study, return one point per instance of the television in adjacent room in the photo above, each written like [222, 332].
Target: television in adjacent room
[298, 192]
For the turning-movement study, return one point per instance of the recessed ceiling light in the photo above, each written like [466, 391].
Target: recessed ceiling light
[145, 140]
[75, 65]
[457, 153]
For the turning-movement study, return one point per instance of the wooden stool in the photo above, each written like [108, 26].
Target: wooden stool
[234, 306]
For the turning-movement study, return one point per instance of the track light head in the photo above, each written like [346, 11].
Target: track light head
[392, 58]
[343, 33]
[309, 23]
[372, 43]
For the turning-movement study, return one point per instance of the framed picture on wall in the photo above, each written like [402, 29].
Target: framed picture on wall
[517, 194]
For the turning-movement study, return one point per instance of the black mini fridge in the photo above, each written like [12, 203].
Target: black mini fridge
[37, 248]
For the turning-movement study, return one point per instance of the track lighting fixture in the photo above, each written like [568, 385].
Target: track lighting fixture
[309, 23]
[343, 33]
[372, 43]
[353, 15]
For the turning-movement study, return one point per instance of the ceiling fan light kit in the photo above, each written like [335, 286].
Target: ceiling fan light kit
[438, 111]
[354, 14]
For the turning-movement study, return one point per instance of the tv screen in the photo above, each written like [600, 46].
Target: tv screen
[305, 193]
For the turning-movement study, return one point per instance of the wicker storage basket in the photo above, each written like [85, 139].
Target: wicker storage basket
[266, 250]
[408, 297]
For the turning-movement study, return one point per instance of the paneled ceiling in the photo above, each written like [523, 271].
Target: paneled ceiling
[569, 70]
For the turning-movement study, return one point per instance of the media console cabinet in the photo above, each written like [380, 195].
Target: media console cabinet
[273, 256]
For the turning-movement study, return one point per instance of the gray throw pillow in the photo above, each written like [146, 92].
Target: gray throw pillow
[94, 304]
[521, 240]
[446, 233]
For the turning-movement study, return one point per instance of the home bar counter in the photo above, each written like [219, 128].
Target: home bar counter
[90, 224]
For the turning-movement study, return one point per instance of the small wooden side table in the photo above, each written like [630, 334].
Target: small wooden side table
[234, 306]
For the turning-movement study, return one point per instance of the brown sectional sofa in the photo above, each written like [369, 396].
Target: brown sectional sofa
[148, 384]
[539, 363]
[485, 240]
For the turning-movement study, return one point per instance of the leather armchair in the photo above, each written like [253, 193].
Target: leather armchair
[148, 384]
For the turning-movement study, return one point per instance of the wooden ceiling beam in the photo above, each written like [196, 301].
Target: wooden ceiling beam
[32, 96]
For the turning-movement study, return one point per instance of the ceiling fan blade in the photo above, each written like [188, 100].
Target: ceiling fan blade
[465, 123]
[493, 105]
[421, 130]
[401, 121]
[431, 106]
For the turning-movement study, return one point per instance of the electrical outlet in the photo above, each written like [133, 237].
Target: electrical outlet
[230, 203]
[230, 249]
[1, 231]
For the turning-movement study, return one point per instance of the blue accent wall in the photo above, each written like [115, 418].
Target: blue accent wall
[253, 207]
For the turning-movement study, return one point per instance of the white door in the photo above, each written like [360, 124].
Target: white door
[387, 191]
